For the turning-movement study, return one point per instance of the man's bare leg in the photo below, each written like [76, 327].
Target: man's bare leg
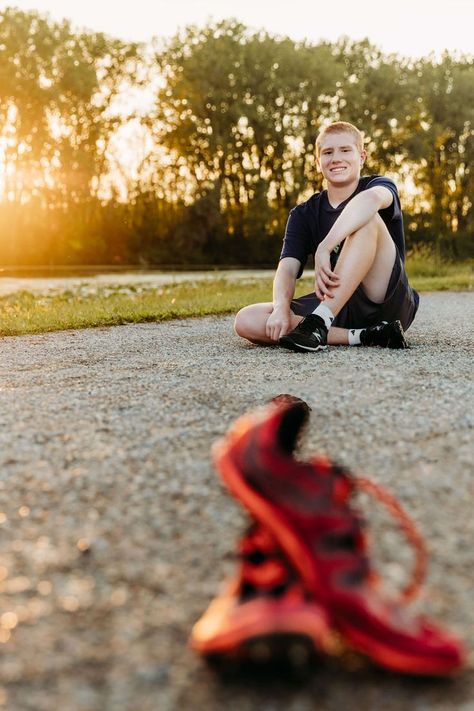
[251, 321]
[367, 258]
[338, 336]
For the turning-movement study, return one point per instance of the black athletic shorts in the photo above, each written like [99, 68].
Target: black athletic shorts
[401, 302]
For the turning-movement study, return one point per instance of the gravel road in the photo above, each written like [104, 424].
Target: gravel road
[116, 531]
[144, 280]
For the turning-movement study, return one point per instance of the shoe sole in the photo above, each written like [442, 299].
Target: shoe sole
[226, 627]
[287, 655]
[302, 560]
[292, 346]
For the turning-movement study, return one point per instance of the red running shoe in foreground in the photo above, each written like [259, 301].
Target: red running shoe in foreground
[263, 611]
[306, 508]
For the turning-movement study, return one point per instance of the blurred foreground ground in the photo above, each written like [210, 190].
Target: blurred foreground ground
[116, 532]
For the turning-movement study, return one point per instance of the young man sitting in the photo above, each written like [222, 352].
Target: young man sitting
[354, 229]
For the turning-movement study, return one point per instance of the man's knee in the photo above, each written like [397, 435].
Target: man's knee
[244, 320]
[250, 321]
[372, 227]
[240, 322]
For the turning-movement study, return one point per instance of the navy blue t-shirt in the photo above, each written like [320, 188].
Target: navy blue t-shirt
[310, 221]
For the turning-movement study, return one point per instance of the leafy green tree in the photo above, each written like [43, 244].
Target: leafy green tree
[448, 130]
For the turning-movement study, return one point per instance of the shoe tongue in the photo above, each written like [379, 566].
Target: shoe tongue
[290, 426]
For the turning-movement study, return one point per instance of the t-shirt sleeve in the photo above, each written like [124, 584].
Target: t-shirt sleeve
[297, 242]
[393, 211]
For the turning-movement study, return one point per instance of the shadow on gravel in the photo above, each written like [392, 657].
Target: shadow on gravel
[329, 680]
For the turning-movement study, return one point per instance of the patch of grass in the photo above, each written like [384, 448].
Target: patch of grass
[423, 262]
[427, 272]
[24, 312]
[449, 282]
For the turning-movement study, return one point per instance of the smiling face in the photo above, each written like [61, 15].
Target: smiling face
[340, 159]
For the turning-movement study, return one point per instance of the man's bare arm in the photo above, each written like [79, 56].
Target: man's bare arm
[284, 282]
[357, 213]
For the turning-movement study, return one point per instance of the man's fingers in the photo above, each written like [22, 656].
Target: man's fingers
[322, 286]
[280, 330]
[327, 275]
[275, 332]
[332, 276]
[321, 294]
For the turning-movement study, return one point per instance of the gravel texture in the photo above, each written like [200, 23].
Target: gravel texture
[116, 532]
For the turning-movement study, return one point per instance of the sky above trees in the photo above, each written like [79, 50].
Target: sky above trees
[406, 27]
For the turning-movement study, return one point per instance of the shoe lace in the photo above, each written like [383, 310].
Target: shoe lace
[309, 324]
[409, 528]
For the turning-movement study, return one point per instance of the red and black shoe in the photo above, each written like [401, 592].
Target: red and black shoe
[306, 508]
[263, 613]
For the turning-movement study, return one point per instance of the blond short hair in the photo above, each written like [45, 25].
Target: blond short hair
[340, 127]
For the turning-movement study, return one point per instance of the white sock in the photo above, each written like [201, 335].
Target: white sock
[326, 314]
[354, 336]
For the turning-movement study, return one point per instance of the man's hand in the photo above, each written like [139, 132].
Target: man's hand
[324, 278]
[278, 323]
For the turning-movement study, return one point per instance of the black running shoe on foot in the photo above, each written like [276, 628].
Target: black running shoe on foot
[387, 335]
[309, 335]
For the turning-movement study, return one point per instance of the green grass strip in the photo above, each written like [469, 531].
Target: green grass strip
[89, 306]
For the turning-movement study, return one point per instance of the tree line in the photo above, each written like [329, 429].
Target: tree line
[193, 149]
